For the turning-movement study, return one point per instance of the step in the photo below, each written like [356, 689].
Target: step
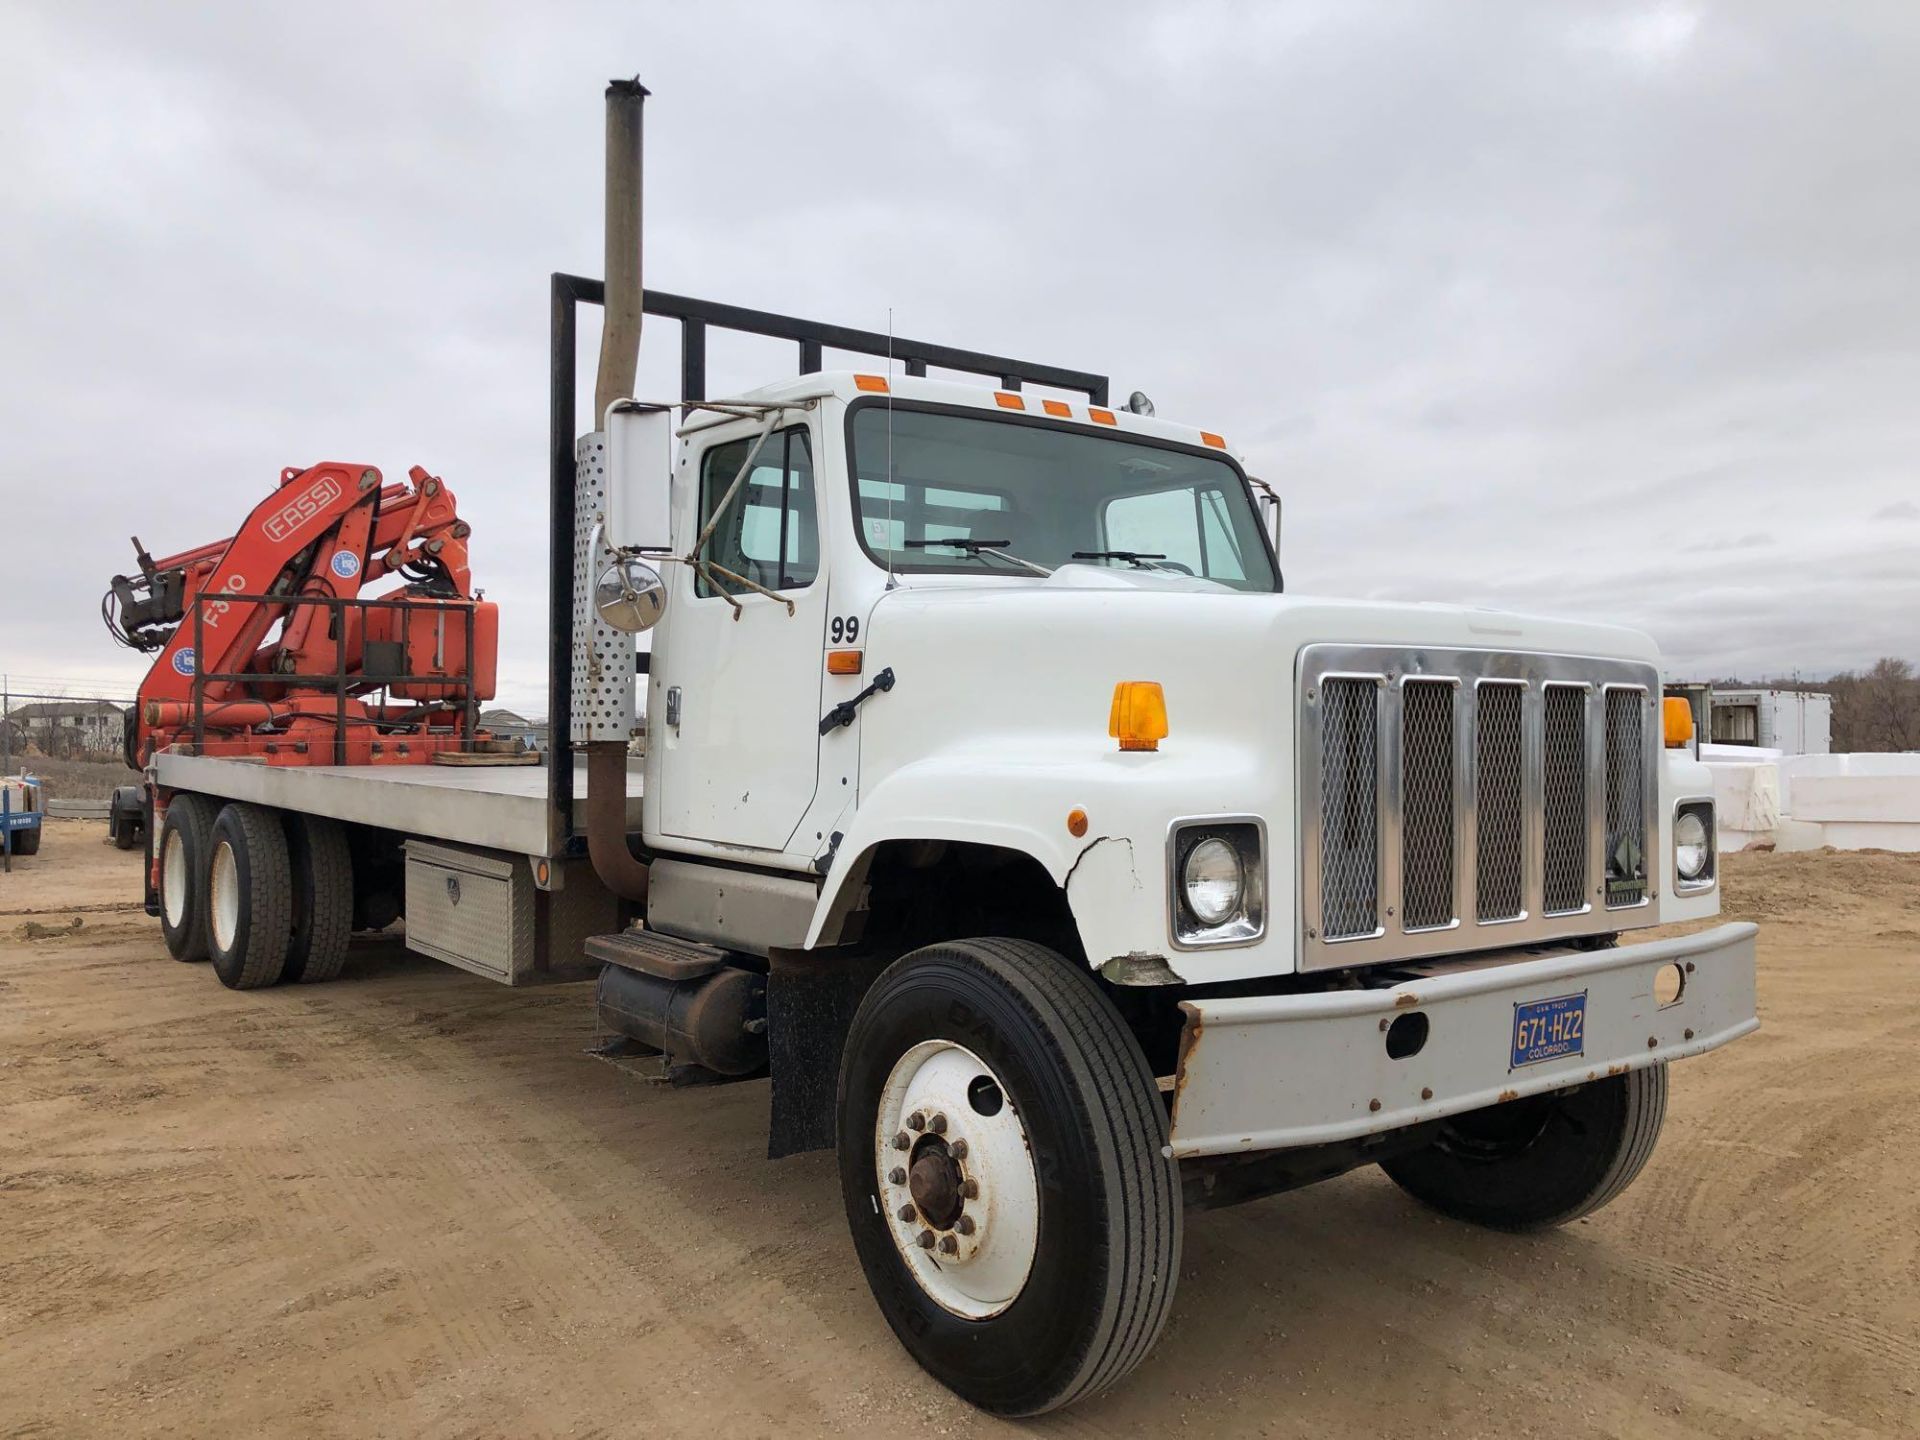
[652, 953]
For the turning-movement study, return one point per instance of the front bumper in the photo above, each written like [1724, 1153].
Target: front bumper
[1268, 1072]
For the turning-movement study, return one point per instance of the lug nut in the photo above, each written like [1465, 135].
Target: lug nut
[964, 1225]
[949, 1245]
[926, 1240]
[896, 1176]
[905, 1212]
[970, 1189]
[903, 1141]
[938, 1124]
[916, 1121]
[958, 1149]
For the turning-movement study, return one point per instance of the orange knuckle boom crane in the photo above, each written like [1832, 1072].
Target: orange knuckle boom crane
[269, 647]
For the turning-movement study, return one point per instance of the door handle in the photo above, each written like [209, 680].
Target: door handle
[673, 706]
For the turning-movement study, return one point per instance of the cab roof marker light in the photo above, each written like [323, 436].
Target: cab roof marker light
[1007, 400]
[1058, 408]
[1207, 437]
[1102, 417]
[877, 383]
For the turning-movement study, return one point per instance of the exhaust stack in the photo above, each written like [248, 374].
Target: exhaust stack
[620, 332]
[604, 658]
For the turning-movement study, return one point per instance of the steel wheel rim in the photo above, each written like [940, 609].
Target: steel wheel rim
[173, 879]
[223, 890]
[970, 1252]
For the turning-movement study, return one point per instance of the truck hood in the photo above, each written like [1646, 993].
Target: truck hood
[1093, 615]
[1029, 669]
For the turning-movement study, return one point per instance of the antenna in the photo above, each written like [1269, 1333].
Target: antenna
[890, 579]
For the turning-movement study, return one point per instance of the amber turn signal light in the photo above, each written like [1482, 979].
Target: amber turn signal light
[844, 662]
[1138, 719]
[1677, 715]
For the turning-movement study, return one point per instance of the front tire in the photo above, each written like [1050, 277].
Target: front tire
[1543, 1161]
[249, 898]
[1025, 1243]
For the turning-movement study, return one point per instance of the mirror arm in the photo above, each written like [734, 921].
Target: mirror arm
[713, 568]
[739, 480]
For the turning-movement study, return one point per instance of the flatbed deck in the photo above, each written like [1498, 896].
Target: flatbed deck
[496, 807]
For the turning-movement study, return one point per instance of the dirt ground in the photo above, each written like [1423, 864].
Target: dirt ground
[411, 1204]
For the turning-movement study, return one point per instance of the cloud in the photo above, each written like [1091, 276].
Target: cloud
[1898, 510]
[1513, 309]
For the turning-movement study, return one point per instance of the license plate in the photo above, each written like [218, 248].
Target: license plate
[1549, 1029]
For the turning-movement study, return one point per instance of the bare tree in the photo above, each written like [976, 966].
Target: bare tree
[1878, 710]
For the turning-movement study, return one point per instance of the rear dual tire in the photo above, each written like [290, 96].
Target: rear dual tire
[186, 842]
[274, 899]
[1063, 1283]
[322, 871]
[249, 898]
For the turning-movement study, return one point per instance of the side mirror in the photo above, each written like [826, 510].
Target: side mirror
[630, 595]
[640, 475]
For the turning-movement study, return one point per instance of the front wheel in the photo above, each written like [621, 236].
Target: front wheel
[1002, 1161]
[1539, 1162]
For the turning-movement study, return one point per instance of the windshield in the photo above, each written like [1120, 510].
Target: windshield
[1045, 495]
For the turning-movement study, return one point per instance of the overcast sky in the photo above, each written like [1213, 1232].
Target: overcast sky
[1608, 312]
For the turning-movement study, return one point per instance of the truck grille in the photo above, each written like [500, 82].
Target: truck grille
[1626, 799]
[1350, 810]
[1565, 817]
[1426, 831]
[1455, 800]
[1499, 746]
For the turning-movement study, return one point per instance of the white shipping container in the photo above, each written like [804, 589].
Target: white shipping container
[1793, 722]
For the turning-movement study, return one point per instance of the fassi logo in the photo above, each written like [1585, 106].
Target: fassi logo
[302, 508]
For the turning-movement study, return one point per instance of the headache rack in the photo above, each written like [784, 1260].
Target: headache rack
[1458, 800]
[696, 317]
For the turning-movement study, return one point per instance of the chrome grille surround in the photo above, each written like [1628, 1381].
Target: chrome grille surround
[1455, 800]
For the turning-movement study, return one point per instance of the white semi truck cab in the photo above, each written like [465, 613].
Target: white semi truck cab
[1062, 869]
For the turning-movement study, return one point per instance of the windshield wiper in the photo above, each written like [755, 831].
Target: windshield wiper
[1135, 558]
[980, 549]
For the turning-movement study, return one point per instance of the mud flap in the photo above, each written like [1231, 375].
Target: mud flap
[811, 1000]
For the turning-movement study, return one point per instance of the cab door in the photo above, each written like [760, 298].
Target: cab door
[734, 698]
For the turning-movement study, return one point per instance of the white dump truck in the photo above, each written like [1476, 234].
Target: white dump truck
[1063, 869]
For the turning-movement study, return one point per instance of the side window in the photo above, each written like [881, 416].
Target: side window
[770, 533]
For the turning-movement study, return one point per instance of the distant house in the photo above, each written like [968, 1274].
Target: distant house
[68, 727]
[506, 725]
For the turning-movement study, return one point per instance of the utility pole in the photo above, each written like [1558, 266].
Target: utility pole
[6, 729]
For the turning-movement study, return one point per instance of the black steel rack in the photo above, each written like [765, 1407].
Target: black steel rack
[696, 317]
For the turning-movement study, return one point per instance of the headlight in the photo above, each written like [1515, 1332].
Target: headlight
[1693, 844]
[1214, 881]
